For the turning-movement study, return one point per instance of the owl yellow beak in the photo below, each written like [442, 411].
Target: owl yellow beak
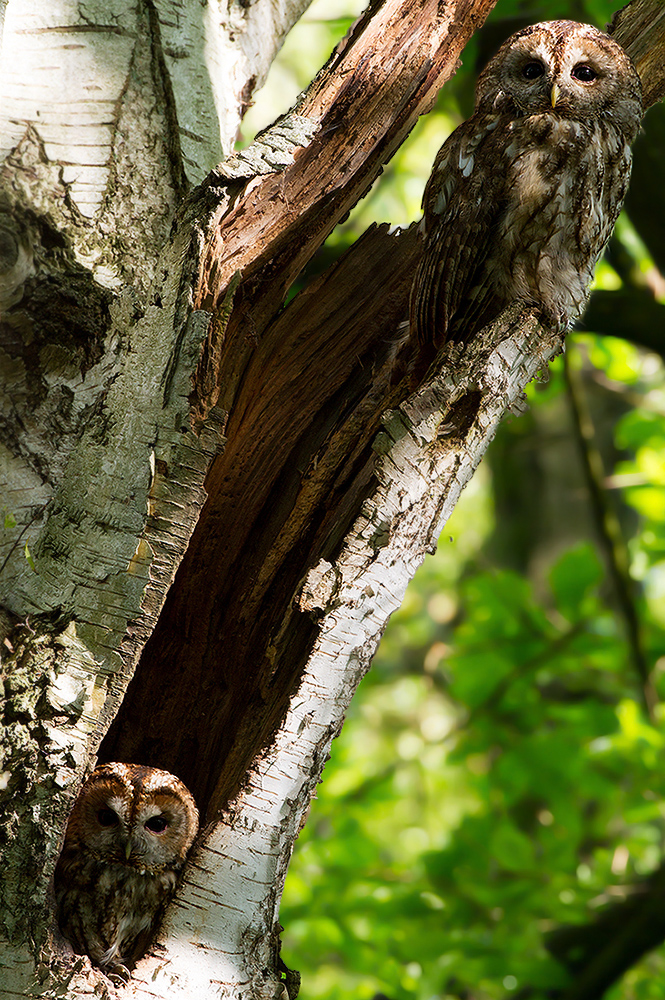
[128, 849]
[554, 94]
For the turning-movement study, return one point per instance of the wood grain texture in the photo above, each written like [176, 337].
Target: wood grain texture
[298, 395]
[640, 28]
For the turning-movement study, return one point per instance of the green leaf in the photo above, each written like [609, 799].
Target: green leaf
[30, 560]
[572, 577]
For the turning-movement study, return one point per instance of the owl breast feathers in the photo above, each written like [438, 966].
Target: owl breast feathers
[524, 195]
[126, 841]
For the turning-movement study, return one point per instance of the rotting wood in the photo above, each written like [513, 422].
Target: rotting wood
[241, 667]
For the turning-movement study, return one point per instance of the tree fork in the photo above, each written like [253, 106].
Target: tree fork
[329, 518]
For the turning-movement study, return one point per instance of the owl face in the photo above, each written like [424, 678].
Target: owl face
[127, 839]
[136, 816]
[563, 69]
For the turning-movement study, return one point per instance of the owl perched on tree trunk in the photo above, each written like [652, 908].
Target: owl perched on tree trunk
[524, 195]
[126, 842]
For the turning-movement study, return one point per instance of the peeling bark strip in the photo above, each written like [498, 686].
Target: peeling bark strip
[318, 507]
[363, 104]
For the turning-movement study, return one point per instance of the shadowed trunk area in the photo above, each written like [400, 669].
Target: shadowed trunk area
[215, 677]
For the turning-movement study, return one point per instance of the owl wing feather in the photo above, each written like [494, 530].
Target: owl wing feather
[460, 220]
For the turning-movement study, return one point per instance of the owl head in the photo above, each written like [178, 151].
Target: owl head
[136, 816]
[562, 68]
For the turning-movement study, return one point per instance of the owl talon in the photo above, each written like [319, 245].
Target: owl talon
[119, 975]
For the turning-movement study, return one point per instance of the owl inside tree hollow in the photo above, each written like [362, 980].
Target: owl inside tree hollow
[524, 195]
[127, 839]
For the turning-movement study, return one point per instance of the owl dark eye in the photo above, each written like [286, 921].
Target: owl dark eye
[533, 70]
[156, 824]
[584, 73]
[106, 817]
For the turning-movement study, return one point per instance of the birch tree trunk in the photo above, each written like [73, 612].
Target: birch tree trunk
[212, 504]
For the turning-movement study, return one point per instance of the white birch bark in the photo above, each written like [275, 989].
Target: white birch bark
[70, 70]
[109, 519]
[98, 100]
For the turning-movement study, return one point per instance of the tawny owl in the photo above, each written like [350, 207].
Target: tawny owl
[524, 195]
[127, 838]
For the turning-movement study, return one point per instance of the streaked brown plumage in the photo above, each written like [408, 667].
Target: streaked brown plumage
[524, 195]
[127, 839]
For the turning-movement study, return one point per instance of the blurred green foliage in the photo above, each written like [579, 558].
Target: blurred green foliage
[498, 778]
